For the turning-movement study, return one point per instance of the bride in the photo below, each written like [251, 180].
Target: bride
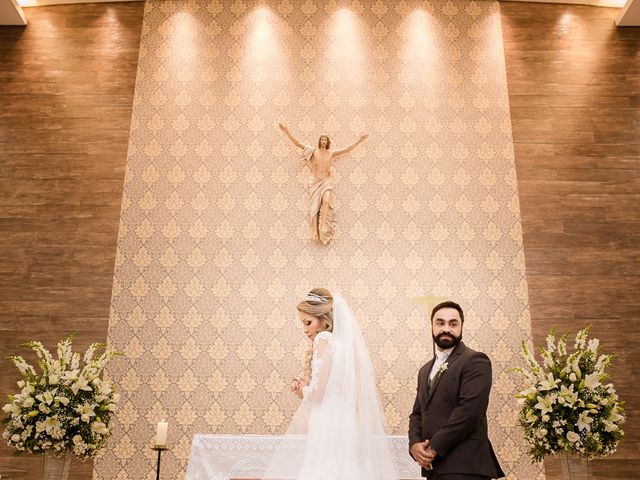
[338, 431]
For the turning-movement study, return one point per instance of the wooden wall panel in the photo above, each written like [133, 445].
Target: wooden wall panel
[574, 89]
[66, 91]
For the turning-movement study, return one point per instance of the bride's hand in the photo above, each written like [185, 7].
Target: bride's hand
[295, 385]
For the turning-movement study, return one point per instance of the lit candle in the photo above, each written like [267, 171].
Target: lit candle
[161, 433]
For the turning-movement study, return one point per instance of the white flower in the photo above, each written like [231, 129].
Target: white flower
[442, 368]
[592, 380]
[77, 439]
[568, 395]
[86, 412]
[46, 397]
[549, 383]
[51, 424]
[573, 437]
[11, 408]
[614, 416]
[81, 384]
[609, 426]
[584, 421]
[99, 427]
[544, 405]
[28, 403]
[106, 388]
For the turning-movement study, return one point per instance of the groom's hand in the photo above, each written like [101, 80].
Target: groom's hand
[421, 452]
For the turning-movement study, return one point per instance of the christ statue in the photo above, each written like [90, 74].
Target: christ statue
[320, 159]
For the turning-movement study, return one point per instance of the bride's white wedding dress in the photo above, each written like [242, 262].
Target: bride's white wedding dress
[338, 431]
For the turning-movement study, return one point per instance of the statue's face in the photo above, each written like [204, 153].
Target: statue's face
[323, 142]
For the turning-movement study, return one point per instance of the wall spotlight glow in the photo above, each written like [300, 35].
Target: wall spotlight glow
[420, 51]
[346, 50]
[182, 40]
[262, 41]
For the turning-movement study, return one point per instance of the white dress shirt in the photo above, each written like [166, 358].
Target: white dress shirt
[441, 357]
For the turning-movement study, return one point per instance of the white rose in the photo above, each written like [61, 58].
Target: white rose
[11, 408]
[573, 437]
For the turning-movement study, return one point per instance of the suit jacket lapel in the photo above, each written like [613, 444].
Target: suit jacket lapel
[452, 358]
[428, 368]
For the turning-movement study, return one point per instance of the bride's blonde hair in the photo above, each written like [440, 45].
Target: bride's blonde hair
[318, 303]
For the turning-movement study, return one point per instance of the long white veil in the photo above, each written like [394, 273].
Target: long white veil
[338, 432]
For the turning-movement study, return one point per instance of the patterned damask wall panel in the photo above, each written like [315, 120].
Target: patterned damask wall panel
[214, 246]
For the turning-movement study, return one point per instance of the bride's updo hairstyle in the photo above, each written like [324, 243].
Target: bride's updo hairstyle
[319, 303]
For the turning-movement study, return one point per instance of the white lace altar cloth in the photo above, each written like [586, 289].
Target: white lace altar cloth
[226, 457]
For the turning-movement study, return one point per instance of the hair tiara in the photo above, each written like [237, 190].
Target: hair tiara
[314, 297]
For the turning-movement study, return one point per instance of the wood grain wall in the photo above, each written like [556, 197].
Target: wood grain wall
[66, 91]
[574, 88]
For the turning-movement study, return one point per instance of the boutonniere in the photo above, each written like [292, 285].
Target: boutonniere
[442, 368]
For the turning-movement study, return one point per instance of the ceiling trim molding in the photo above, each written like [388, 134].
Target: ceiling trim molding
[629, 16]
[591, 3]
[44, 3]
[11, 13]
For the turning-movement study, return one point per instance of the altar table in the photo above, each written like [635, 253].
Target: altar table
[235, 457]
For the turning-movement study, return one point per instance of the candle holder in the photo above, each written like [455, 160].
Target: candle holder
[159, 449]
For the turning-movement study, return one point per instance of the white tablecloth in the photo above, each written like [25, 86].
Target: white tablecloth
[223, 457]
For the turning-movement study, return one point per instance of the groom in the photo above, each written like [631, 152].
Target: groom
[448, 424]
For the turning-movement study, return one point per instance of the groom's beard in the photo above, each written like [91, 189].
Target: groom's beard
[446, 340]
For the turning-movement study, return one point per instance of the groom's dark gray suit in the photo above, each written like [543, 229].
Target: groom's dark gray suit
[452, 415]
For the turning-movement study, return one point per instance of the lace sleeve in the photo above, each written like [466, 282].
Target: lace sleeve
[320, 368]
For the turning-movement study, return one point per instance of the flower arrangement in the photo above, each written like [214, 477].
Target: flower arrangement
[566, 406]
[442, 368]
[64, 408]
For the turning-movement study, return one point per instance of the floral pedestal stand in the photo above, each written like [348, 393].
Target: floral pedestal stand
[56, 468]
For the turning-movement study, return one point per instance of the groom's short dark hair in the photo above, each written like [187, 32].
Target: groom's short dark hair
[448, 304]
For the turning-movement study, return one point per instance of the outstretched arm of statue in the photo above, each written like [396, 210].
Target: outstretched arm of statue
[342, 151]
[293, 139]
